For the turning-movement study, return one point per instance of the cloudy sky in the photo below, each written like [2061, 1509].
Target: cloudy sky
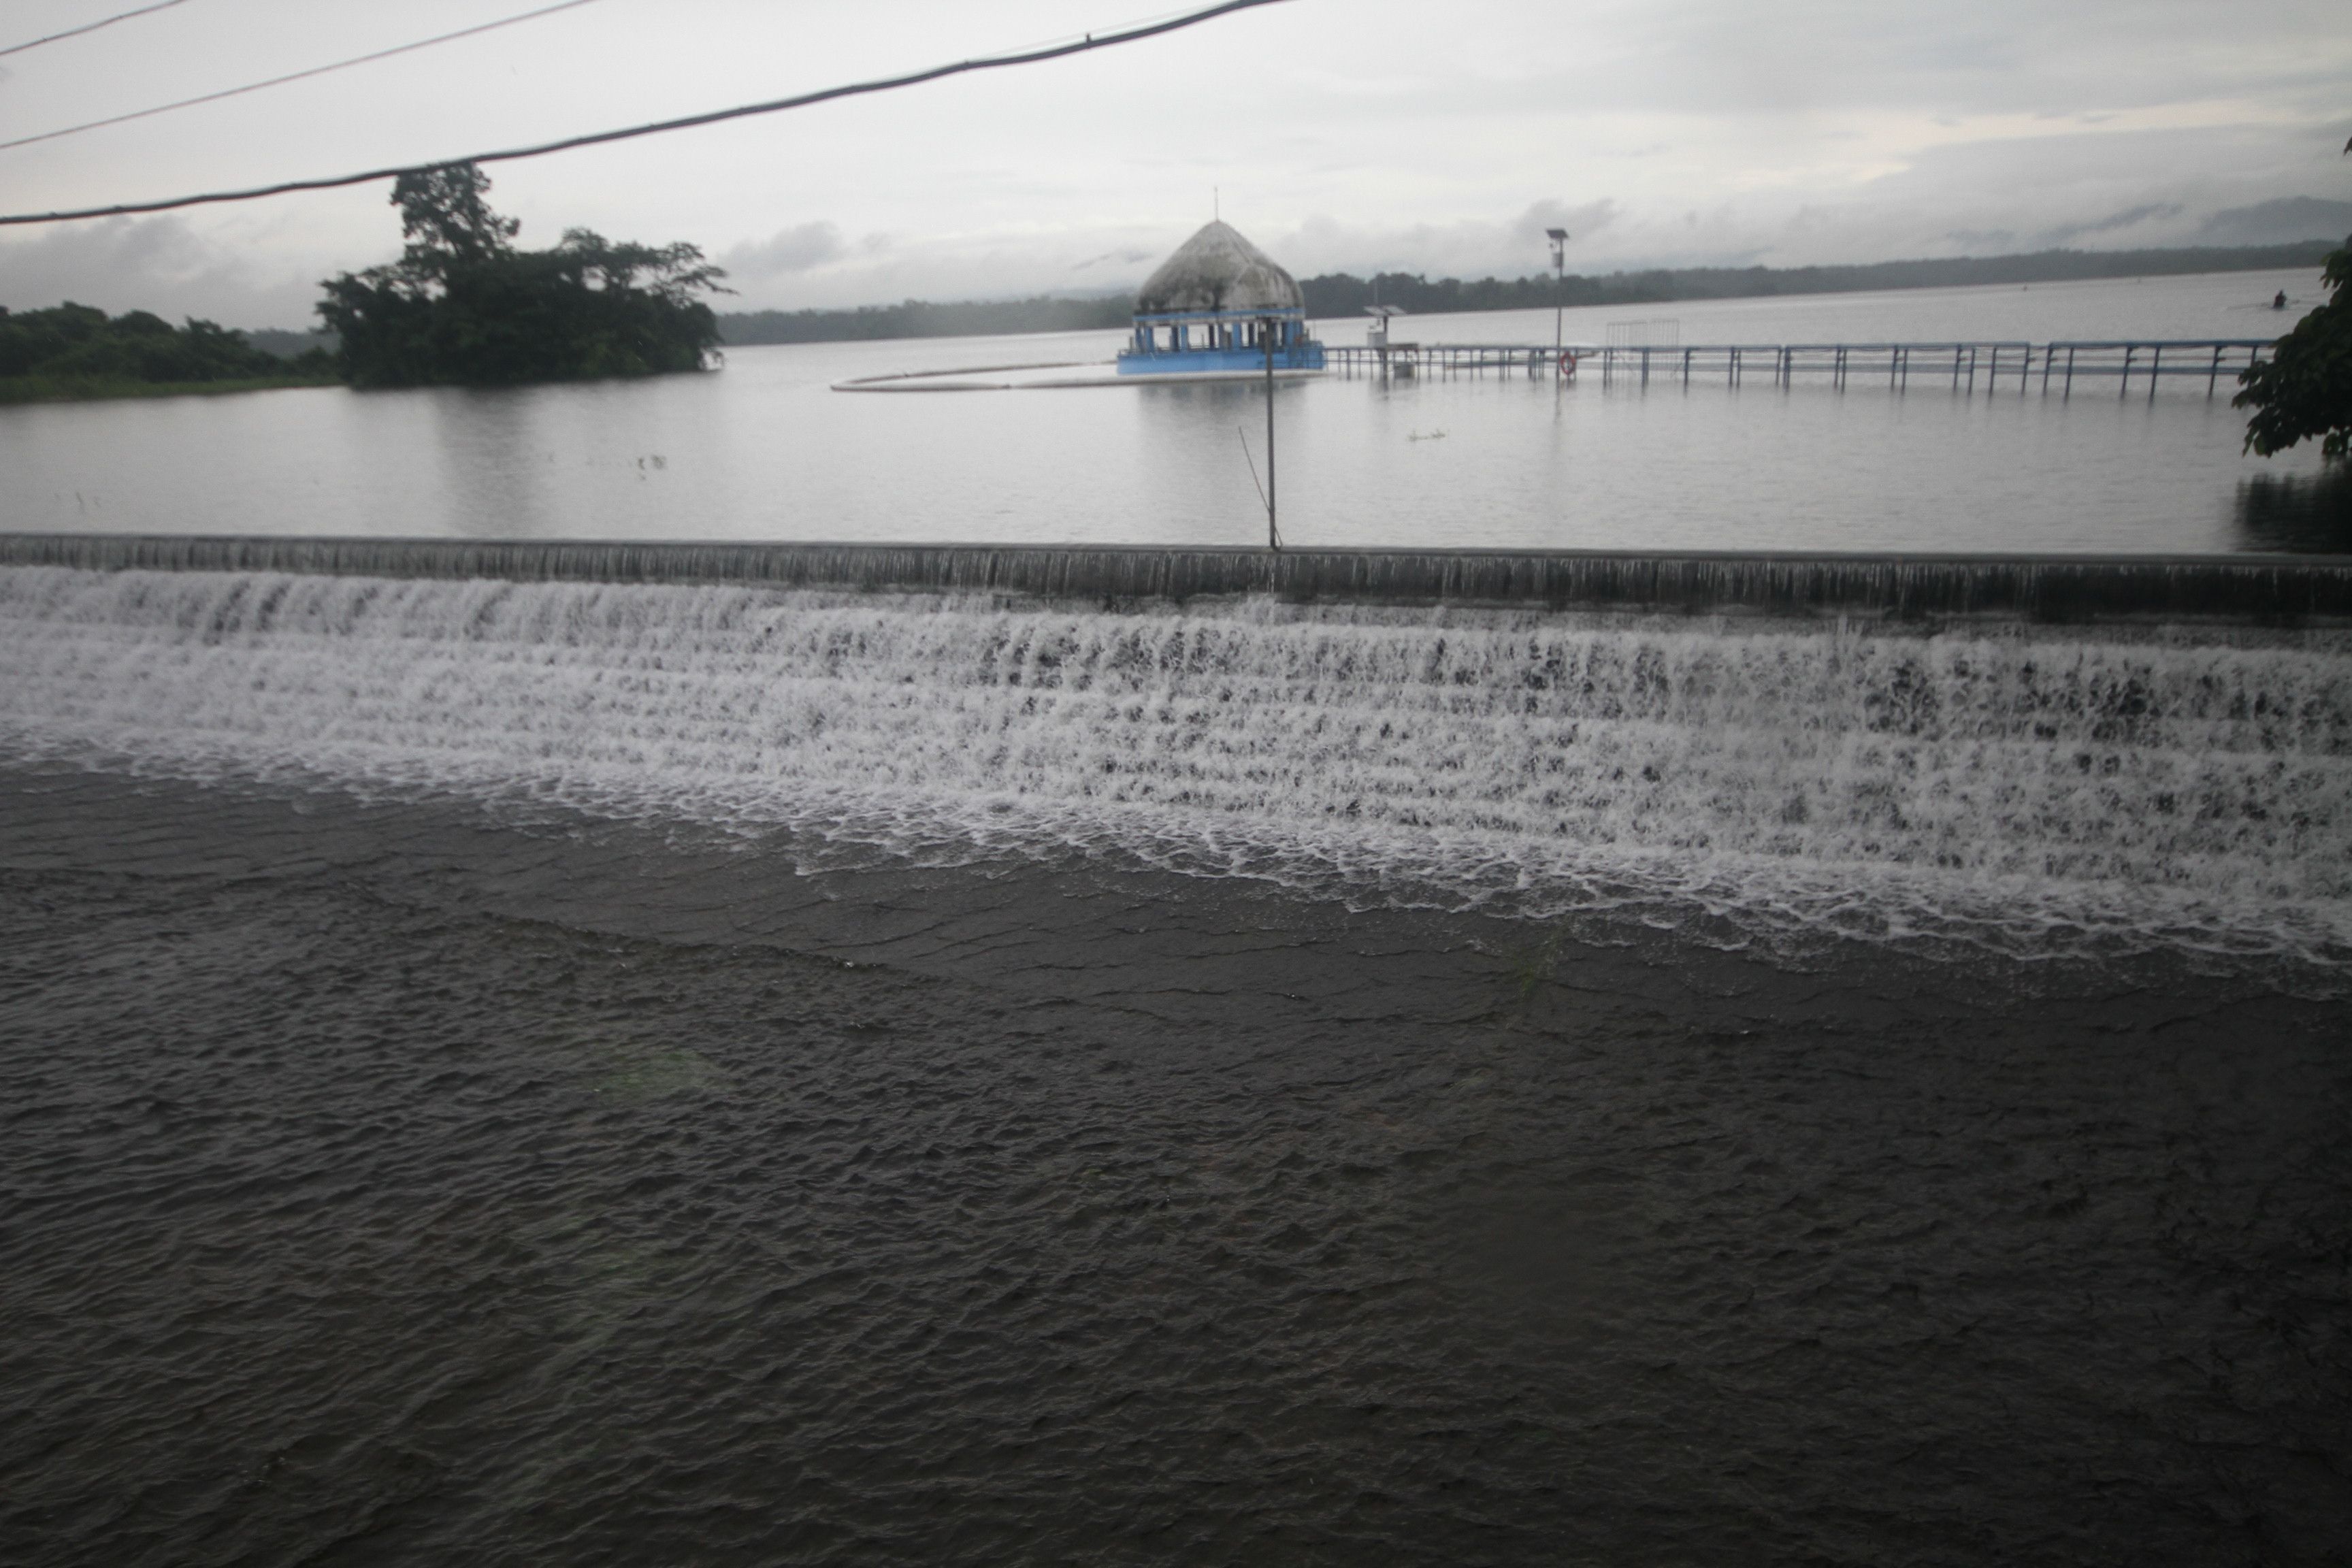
[1340, 135]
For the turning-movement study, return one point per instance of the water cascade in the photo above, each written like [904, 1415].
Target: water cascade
[1990, 781]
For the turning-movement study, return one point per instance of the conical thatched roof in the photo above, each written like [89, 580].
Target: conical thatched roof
[1217, 269]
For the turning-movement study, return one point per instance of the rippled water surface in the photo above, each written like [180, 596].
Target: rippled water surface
[416, 1182]
[567, 1074]
[764, 450]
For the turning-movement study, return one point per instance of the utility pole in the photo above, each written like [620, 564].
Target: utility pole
[1265, 335]
[1559, 237]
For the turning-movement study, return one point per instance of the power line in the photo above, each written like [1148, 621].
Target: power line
[295, 76]
[92, 26]
[994, 62]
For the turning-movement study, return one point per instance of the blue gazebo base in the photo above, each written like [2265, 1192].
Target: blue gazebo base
[1225, 362]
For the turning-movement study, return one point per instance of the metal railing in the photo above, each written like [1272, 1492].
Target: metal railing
[1958, 364]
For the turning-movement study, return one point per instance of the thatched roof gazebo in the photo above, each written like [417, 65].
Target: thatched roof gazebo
[1212, 307]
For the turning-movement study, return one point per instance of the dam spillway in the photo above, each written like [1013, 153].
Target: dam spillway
[2019, 753]
[2255, 589]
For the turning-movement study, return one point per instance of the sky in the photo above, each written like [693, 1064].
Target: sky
[1341, 135]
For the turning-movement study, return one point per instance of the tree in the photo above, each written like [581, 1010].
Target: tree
[446, 216]
[463, 305]
[2304, 388]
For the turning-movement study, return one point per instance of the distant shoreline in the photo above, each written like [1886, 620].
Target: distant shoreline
[24, 389]
[1342, 294]
[1338, 295]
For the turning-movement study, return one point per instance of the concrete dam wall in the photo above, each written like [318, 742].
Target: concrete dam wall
[2256, 589]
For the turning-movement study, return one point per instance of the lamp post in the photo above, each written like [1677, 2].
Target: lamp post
[1266, 337]
[1559, 237]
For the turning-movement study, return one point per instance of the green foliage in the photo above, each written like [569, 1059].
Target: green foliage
[463, 306]
[2304, 388]
[444, 216]
[77, 351]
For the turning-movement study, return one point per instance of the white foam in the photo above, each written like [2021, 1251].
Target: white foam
[2021, 787]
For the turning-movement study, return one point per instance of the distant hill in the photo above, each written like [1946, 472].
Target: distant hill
[1343, 294]
[291, 345]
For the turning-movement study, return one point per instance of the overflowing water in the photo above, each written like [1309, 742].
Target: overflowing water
[2032, 788]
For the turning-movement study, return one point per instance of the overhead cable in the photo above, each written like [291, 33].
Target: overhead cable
[295, 76]
[994, 62]
[92, 26]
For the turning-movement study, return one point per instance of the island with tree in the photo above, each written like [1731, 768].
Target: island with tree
[463, 306]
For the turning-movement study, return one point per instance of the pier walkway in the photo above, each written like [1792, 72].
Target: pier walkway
[2029, 367]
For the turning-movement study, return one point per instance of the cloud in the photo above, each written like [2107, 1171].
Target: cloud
[1533, 226]
[799, 249]
[1126, 256]
[2280, 222]
[2130, 217]
[160, 264]
[1665, 132]
[1467, 247]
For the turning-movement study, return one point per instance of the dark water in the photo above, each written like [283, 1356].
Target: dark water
[583, 1073]
[427, 1182]
[2310, 512]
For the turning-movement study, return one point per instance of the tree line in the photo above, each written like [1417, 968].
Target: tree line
[924, 319]
[78, 350]
[1343, 294]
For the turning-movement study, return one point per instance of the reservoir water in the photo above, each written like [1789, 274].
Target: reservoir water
[765, 450]
[613, 1071]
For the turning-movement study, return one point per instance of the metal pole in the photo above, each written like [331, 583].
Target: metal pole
[1272, 533]
[1559, 237]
